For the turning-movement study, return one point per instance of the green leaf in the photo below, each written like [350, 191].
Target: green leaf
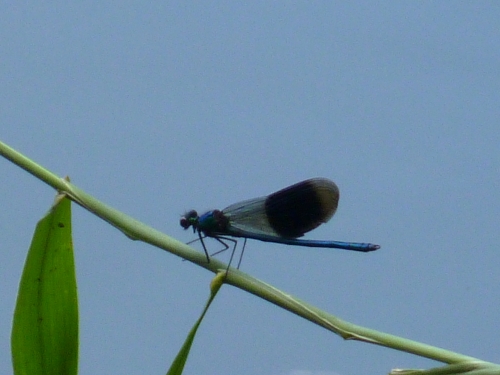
[45, 330]
[180, 360]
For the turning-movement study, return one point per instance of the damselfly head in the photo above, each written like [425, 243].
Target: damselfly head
[189, 219]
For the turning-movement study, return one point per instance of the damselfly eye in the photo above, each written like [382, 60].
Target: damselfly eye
[191, 215]
[189, 218]
[185, 223]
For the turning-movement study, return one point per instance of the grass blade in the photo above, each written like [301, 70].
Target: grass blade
[180, 360]
[45, 330]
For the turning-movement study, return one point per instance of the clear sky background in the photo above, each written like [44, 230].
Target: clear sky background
[159, 107]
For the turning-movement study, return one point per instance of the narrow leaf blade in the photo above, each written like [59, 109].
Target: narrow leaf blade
[45, 330]
[177, 366]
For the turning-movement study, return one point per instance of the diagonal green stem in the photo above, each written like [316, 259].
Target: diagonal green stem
[140, 231]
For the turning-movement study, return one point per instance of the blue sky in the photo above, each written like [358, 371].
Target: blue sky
[162, 107]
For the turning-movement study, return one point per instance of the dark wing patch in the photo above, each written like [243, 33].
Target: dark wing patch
[302, 207]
